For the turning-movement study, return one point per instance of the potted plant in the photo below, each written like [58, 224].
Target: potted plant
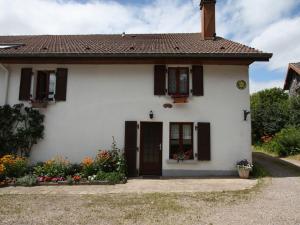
[244, 168]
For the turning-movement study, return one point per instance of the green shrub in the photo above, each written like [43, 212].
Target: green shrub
[57, 167]
[70, 180]
[28, 180]
[88, 170]
[74, 169]
[287, 141]
[258, 171]
[111, 177]
[271, 146]
[110, 161]
[14, 166]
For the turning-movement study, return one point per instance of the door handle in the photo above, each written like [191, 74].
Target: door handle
[160, 147]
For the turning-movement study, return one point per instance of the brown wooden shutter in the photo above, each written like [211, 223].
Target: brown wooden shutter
[25, 84]
[42, 85]
[159, 80]
[131, 147]
[203, 141]
[197, 80]
[61, 84]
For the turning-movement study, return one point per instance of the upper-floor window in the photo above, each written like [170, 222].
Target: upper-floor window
[178, 81]
[45, 85]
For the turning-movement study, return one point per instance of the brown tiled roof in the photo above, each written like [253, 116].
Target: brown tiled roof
[296, 66]
[131, 45]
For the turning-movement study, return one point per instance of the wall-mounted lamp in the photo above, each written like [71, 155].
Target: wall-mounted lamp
[246, 113]
[151, 114]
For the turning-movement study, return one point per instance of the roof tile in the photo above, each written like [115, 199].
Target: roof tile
[189, 44]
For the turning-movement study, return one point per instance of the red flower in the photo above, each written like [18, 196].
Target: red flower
[76, 178]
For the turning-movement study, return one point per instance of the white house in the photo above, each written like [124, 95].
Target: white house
[164, 97]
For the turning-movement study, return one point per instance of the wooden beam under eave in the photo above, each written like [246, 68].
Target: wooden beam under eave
[48, 60]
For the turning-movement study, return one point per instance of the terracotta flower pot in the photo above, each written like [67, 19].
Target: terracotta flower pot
[244, 173]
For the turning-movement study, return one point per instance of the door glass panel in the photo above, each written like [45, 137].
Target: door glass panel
[151, 144]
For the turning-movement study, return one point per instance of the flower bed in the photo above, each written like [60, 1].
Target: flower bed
[108, 167]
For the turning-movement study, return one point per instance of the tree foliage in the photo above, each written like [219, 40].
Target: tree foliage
[294, 106]
[270, 111]
[20, 128]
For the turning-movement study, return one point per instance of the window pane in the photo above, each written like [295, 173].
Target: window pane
[187, 140]
[52, 86]
[183, 85]
[172, 81]
[174, 131]
[187, 131]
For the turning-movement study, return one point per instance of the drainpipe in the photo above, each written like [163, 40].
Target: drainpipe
[6, 82]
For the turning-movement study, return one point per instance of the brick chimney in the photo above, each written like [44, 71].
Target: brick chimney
[208, 18]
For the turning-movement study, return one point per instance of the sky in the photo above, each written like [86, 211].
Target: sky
[269, 25]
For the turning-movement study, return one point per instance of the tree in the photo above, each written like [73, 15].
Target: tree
[269, 112]
[294, 106]
[20, 128]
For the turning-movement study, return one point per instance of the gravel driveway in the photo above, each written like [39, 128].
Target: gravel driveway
[275, 202]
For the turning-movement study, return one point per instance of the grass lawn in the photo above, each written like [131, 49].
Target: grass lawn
[118, 208]
[295, 157]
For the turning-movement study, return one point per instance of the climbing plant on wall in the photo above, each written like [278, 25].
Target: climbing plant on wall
[20, 128]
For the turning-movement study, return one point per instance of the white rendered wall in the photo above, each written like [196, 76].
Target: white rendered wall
[2, 86]
[100, 98]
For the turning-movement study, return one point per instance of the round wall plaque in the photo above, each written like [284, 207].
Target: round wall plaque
[241, 84]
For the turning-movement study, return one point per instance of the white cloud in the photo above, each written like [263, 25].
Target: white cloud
[256, 86]
[267, 25]
[281, 38]
[71, 17]
[248, 18]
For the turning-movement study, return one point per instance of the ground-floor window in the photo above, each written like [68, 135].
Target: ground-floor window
[181, 141]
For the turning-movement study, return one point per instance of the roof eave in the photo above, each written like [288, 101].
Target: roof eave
[248, 56]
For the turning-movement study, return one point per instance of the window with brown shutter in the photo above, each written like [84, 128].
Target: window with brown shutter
[49, 85]
[159, 80]
[25, 84]
[203, 139]
[131, 147]
[197, 80]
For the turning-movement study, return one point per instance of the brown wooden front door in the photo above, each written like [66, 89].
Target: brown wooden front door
[151, 148]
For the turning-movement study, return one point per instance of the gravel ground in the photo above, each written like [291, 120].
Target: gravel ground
[137, 186]
[276, 201]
